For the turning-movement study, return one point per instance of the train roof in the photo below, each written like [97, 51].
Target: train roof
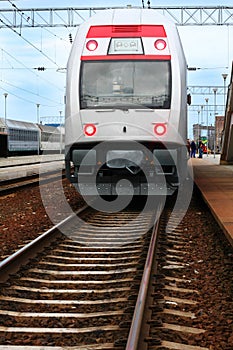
[2, 123]
[16, 124]
[47, 128]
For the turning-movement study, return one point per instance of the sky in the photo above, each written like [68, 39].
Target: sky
[34, 94]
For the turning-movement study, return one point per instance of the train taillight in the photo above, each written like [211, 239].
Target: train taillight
[89, 129]
[160, 129]
[160, 44]
[91, 45]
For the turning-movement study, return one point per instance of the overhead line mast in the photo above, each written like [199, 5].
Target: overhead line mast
[74, 16]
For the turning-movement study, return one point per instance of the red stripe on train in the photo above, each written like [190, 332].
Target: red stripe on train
[125, 57]
[122, 31]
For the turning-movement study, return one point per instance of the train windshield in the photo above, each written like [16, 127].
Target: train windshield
[125, 84]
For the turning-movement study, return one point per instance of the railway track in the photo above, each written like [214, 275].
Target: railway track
[172, 301]
[82, 289]
[111, 283]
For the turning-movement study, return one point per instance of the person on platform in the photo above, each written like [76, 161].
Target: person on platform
[188, 147]
[193, 149]
[200, 149]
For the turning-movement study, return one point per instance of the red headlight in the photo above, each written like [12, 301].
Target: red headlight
[89, 129]
[160, 44]
[160, 129]
[91, 45]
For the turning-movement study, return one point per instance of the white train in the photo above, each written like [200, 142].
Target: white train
[126, 99]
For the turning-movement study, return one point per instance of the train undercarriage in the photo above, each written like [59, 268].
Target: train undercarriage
[126, 168]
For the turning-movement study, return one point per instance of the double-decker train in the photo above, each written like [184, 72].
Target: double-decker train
[20, 138]
[126, 100]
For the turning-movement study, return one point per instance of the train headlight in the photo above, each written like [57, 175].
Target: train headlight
[160, 44]
[160, 129]
[91, 45]
[89, 129]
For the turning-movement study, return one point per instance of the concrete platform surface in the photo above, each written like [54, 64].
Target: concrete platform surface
[16, 167]
[23, 160]
[215, 182]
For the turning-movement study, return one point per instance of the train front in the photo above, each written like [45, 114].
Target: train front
[126, 105]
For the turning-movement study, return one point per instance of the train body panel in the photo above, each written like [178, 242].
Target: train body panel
[51, 138]
[126, 84]
[22, 136]
[31, 138]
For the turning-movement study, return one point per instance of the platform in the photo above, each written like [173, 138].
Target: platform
[16, 167]
[33, 159]
[215, 182]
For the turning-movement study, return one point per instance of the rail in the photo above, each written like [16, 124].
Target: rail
[132, 343]
[11, 263]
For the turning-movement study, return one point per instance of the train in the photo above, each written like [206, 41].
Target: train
[126, 105]
[20, 138]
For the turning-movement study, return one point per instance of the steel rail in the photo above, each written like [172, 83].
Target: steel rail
[134, 333]
[24, 253]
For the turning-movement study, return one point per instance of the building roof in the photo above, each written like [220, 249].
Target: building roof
[16, 124]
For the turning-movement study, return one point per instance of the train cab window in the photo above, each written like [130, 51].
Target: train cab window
[125, 84]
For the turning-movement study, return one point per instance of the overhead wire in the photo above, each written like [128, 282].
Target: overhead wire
[30, 92]
[31, 44]
[32, 70]
[25, 39]
[28, 19]
[6, 23]
[46, 29]
[19, 88]
[27, 100]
